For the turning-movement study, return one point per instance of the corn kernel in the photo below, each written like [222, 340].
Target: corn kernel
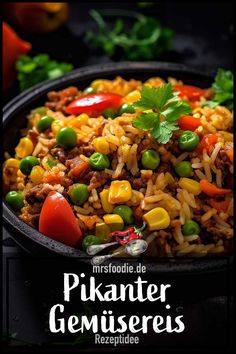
[101, 145]
[196, 110]
[169, 178]
[133, 96]
[119, 192]
[108, 208]
[103, 231]
[190, 185]
[114, 221]
[12, 163]
[157, 219]
[227, 136]
[77, 122]
[36, 174]
[57, 125]
[96, 83]
[24, 148]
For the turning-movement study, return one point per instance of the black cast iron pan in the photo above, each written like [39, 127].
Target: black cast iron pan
[14, 118]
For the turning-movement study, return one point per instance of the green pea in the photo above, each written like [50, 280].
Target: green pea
[191, 228]
[44, 123]
[109, 113]
[89, 90]
[27, 163]
[188, 141]
[15, 200]
[125, 212]
[79, 193]
[184, 169]
[99, 161]
[66, 138]
[126, 108]
[150, 159]
[90, 240]
[41, 110]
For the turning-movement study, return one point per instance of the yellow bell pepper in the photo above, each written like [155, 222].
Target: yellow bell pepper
[157, 219]
[119, 192]
[102, 231]
[57, 125]
[108, 208]
[101, 145]
[114, 221]
[36, 174]
[133, 96]
[190, 185]
[24, 148]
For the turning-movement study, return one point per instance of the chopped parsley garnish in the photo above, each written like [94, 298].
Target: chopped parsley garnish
[32, 70]
[223, 89]
[167, 108]
[145, 38]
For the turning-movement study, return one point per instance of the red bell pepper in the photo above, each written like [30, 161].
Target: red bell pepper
[208, 142]
[13, 47]
[189, 122]
[94, 104]
[211, 190]
[191, 92]
[58, 222]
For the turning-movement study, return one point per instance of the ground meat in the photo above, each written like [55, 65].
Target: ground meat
[33, 135]
[165, 167]
[86, 150]
[37, 194]
[223, 163]
[58, 100]
[218, 234]
[138, 213]
[96, 179]
[63, 155]
[78, 167]
[137, 183]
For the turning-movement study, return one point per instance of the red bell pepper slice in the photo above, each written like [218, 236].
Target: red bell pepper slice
[208, 142]
[94, 103]
[189, 123]
[13, 47]
[193, 93]
[58, 222]
[211, 190]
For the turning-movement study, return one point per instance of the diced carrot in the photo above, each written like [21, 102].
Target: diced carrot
[219, 206]
[52, 179]
[212, 190]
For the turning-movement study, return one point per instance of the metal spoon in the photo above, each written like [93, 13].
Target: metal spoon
[133, 248]
[94, 249]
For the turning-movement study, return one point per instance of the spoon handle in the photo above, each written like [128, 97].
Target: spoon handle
[97, 260]
[94, 249]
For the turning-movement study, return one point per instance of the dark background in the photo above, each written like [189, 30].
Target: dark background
[203, 40]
